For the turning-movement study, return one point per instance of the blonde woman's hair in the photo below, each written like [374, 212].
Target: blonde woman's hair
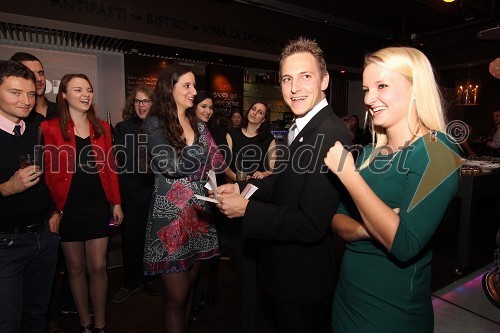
[426, 98]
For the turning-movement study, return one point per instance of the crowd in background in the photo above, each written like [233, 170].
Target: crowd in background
[149, 175]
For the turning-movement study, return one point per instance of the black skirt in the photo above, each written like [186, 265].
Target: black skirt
[87, 211]
[85, 217]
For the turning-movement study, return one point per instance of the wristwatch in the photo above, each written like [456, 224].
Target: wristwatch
[57, 211]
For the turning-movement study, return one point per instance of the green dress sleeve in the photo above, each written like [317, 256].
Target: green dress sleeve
[427, 193]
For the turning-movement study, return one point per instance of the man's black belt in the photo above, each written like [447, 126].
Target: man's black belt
[26, 229]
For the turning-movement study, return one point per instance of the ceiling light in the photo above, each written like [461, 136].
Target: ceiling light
[448, 0]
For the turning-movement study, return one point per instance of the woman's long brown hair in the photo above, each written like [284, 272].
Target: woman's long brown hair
[65, 117]
[165, 109]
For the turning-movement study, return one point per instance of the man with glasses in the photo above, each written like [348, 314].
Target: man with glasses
[43, 108]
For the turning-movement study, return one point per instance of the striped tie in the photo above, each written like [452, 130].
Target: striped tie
[291, 133]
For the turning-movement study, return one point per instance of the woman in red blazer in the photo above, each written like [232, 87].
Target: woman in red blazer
[81, 175]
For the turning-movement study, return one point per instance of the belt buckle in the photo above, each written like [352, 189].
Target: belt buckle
[33, 227]
[29, 228]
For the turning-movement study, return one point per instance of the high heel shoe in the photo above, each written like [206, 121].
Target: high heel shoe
[88, 329]
[100, 330]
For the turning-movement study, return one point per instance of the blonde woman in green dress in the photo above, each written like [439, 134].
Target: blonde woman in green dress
[401, 189]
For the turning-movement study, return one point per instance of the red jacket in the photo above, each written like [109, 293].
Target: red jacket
[60, 161]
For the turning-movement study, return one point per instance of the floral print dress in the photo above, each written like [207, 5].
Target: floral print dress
[179, 230]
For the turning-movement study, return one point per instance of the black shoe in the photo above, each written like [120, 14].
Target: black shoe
[152, 288]
[100, 330]
[88, 329]
[122, 294]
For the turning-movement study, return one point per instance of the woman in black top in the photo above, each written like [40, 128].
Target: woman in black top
[136, 188]
[252, 145]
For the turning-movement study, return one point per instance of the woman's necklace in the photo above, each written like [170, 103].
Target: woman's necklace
[406, 144]
[78, 132]
[395, 152]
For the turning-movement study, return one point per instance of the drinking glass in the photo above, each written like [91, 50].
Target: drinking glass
[241, 176]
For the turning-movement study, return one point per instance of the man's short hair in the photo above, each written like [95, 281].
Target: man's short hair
[14, 68]
[305, 45]
[23, 56]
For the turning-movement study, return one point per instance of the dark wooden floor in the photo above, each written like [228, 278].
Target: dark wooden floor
[144, 313]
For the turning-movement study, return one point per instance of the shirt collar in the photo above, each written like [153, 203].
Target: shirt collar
[301, 122]
[7, 125]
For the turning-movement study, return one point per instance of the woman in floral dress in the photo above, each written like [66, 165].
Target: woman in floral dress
[178, 232]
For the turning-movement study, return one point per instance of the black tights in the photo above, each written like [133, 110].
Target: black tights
[178, 298]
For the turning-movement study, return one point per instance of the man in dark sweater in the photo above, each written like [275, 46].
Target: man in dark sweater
[28, 250]
[43, 108]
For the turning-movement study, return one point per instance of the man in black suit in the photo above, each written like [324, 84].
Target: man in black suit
[295, 206]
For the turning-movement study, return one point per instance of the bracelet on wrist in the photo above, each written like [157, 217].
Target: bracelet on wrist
[57, 211]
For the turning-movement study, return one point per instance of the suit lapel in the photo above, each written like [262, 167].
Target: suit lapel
[310, 128]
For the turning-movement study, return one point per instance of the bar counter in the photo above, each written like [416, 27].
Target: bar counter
[472, 189]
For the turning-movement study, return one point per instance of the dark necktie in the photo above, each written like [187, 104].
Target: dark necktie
[17, 130]
[291, 133]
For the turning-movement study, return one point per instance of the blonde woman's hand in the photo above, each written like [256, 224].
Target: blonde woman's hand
[339, 160]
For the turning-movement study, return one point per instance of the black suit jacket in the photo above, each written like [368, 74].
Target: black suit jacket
[297, 263]
[136, 185]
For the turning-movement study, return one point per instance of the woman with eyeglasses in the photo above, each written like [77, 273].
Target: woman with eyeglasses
[136, 186]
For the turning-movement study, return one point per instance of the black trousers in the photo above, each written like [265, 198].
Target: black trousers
[133, 231]
[304, 318]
